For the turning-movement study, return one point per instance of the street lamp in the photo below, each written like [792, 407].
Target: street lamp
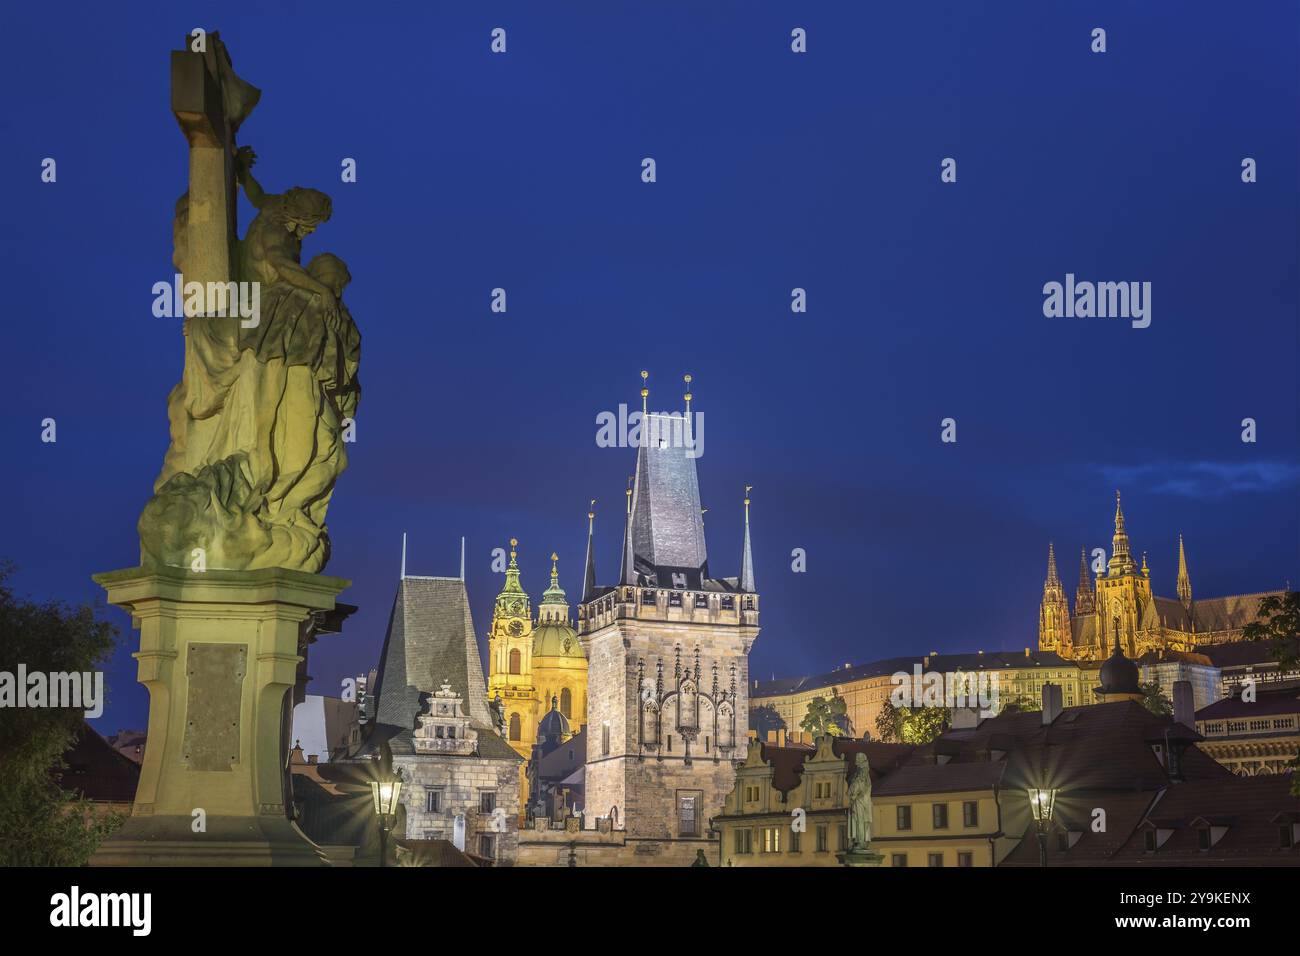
[1041, 802]
[386, 788]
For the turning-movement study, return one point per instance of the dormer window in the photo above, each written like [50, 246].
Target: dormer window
[1203, 838]
[1149, 841]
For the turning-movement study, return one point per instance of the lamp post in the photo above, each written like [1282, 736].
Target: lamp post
[1042, 801]
[386, 788]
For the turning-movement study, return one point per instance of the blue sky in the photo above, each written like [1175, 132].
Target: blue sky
[775, 171]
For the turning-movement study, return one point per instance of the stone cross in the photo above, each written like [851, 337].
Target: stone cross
[209, 102]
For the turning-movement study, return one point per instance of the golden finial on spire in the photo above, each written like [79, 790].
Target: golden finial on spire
[687, 379]
[591, 511]
[554, 557]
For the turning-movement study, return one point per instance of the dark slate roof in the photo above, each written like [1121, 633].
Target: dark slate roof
[667, 523]
[564, 759]
[1270, 701]
[988, 661]
[1224, 613]
[430, 641]
[1248, 806]
[1238, 653]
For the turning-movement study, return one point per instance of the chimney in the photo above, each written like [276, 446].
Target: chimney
[311, 758]
[1184, 704]
[965, 718]
[1051, 703]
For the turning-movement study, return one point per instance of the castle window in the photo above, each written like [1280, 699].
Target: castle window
[688, 819]
[514, 727]
[728, 603]
[647, 597]
[744, 841]
[437, 732]
[674, 599]
[701, 600]
[451, 733]
[486, 846]
[514, 662]
[487, 801]
[749, 604]
[566, 702]
[433, 801]
[604, 739]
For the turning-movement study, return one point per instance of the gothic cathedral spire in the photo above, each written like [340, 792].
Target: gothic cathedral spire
[1184, 579]
[1084, 600]
[1121, 560]
[746, 554]
[1054, 614]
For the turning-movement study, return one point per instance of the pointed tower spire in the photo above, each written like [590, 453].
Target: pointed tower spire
[589, 579]
[1084, 600]
[746, 555]
[462, 557]
[627, 574]
[403, 554]
[1121, 560]
[1053, 579]
[1184, 579]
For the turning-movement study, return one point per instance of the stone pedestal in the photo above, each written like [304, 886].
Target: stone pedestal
[219, 652]
[858, 855]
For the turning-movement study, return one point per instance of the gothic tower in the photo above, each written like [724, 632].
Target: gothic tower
[1084, 599]
[510, 660]
[1184, 579]
[1054, 612]
[668, 659]
[1123, 594]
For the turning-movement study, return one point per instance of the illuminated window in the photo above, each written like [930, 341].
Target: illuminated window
[688, 817]
[514, 661]
[566, 702]
[771, 839]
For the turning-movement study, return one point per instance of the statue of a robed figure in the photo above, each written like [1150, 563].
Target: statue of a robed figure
[228, 595]
[257, 419]
[859, 852]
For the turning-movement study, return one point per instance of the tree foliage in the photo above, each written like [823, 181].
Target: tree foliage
[1155, 700]
[1278, 621]
[919, 725]
[827, 717]
[40, 823]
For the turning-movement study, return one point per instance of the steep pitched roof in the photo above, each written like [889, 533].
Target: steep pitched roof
[667, 523]
[430, 641]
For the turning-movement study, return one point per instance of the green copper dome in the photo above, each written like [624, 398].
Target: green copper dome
[553, 639]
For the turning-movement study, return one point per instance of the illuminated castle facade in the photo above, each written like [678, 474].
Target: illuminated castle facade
[1121, 600]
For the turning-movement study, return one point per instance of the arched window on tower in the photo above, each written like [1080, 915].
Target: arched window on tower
[566, 702]
[514, 663]
[514, 727]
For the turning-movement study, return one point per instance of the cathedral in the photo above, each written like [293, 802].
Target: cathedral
[1120, 600]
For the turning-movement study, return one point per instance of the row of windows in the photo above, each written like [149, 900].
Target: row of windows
[487, 800]
[772, 839]
[970, 815]
[933, 859]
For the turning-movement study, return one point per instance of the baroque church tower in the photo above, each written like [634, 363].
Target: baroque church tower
[510, 660]
[668, 656]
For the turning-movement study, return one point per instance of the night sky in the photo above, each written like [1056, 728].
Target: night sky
[775, 171]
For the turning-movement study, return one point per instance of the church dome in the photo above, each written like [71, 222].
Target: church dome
[553, 639]
[553, 636]
[554, 724]
[1119, 675]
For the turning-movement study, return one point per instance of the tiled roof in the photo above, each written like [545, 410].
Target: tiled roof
[1238, 653]
[1271, 700]
[988, 661]
[942, 778]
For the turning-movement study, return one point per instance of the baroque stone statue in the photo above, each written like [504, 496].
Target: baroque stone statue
[257, 421]
[860, 804]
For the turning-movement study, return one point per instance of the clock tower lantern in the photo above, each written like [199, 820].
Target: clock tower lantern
[510, 660]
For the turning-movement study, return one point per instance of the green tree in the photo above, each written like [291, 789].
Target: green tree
[40, 823]
[1155, 700]
[1278, 621]
[888, 724]
[924, 724]
[907, 725]
[827, 717]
